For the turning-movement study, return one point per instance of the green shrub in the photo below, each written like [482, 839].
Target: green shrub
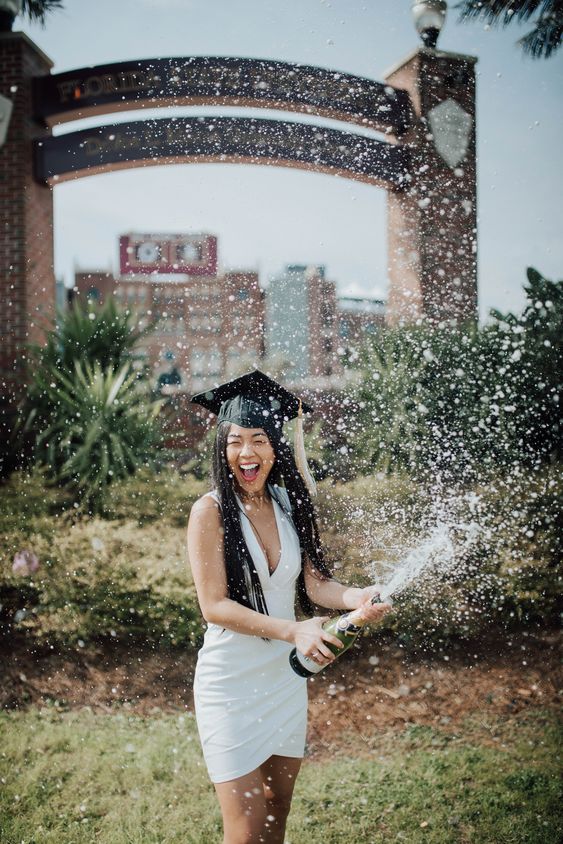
[88, 417]
[165, 497]
[490, 553]
[100, 427]
[463, 402]
[103, 334]
[126, 578]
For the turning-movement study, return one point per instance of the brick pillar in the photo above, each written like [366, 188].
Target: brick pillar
[432, 224]
[27, 283]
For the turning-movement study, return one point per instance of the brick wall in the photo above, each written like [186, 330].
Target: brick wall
[243, 321]
[323, 326]
[27, 282]
[95, 286]
[432, 224]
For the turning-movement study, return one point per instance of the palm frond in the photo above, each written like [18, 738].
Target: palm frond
[37, 10]
[500, 12]
[547, 33]
[545, 38]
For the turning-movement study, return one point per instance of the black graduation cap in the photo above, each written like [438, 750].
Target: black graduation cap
[256, 401]
[252, 401]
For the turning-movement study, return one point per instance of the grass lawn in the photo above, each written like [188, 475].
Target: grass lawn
[79, 776]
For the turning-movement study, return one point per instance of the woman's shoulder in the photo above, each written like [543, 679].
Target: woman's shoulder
[204, 524]
[208, 502]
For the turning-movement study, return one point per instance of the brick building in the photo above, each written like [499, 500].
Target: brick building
[243, 321]
[94, 286]
[211, 326]
[207, 325]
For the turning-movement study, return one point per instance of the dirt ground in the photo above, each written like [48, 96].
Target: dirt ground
[379, 688]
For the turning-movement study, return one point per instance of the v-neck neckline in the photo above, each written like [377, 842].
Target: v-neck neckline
[258, 540]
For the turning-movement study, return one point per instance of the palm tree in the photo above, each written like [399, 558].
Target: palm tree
[545, 36]
[35, 10]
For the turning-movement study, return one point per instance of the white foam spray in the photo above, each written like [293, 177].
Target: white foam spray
[442, 549]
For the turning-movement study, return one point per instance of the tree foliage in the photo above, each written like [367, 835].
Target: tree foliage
[545, 36]
[461, 402]
[37, 10]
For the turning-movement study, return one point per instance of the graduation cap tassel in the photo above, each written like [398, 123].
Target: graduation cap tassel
[300, 456]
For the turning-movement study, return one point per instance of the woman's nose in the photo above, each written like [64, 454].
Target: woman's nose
[246, 449]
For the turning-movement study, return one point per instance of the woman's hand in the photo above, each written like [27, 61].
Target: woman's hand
[310, 638]
[372, 612]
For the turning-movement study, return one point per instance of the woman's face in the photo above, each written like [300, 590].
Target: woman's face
[250, 457]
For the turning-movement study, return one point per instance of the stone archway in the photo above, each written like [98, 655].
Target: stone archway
[425, 111]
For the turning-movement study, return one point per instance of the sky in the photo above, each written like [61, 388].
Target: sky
[267, 217]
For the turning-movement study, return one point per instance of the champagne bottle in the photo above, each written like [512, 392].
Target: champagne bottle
[346, 628]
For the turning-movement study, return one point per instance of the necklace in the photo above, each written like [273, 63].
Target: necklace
[258, 498]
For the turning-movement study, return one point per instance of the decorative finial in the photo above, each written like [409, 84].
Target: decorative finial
[9, 10]
[429, 17]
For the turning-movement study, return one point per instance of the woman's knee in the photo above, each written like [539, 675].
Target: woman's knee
[278, 782]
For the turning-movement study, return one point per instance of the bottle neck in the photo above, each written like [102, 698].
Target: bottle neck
[356, 617]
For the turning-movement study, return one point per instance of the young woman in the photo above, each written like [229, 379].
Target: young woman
[253, 544]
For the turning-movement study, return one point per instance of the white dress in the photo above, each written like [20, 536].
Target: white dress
[249, 703]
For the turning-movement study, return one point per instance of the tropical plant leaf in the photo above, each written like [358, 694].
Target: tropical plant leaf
[37, 10]
[547, 33]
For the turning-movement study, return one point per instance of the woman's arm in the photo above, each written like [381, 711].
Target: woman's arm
[335, 595]
[330, 593]
[206, 556]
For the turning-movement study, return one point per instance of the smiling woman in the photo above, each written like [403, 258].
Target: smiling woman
[253, 543]
[250, 457]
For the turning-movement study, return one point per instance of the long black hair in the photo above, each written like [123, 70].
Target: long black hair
[243, 582]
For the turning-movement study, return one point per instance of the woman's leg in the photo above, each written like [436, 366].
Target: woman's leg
[243, 806]
[255, 807]
[278, 777]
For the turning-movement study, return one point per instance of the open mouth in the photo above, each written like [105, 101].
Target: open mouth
[250, 471]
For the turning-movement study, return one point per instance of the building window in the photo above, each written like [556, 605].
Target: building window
[206, 323]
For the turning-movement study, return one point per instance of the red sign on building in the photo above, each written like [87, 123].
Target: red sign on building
[168, 254]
